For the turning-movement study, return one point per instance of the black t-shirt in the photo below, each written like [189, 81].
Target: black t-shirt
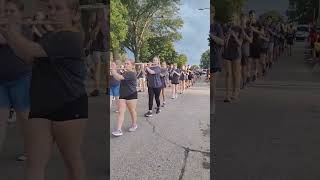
[58, 78]
[175, 77]
[113, 81]
[128, 86]
[11, 66]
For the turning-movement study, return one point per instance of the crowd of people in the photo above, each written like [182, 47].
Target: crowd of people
[42, 79]
[246, 49]
[125, 83]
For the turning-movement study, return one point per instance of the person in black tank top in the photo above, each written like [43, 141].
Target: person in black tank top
[59, 103]
[99, 48]
[232, 55]
[290, 39]
[264, 38]
[247, 40]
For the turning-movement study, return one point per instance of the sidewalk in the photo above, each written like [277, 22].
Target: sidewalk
[171, 145]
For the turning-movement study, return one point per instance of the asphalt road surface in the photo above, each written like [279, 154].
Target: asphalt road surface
[273, 132]
[171, 145]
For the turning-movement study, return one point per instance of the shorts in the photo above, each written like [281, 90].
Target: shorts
[270, 48]
[264, 51]
[99, 54]
[130, 97]
[114, 90]
[16, 94]
[77, 109]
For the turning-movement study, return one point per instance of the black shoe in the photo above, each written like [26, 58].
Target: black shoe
[148, 114]
[227, 101]
[95, 93]
[254, 78]
[248, 80]
[158, 110]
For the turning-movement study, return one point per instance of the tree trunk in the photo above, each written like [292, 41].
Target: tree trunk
[116, 55]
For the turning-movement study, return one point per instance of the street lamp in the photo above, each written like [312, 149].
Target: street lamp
[201, 9]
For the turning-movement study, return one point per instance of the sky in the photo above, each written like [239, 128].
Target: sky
[195, 30]
[262, 5]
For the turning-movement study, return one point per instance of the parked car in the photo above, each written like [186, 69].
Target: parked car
[302, 32]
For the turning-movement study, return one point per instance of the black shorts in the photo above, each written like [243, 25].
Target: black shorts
[244, 60]
[130, 97]
[77, 109]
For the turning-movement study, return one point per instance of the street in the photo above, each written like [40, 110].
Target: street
[171, 145]
[273, 132]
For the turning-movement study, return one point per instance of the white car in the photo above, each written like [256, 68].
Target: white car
[302, 32]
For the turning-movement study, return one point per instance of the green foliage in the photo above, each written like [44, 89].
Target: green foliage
[181, 60]
[225, 9]
[205, 59]
[195, 67]
[275, 16]
[118, 23]
[149, 19]
[305, 11]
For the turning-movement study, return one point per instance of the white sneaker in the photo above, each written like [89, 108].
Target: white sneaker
[13, 118]
[133, 128]
[117, 133]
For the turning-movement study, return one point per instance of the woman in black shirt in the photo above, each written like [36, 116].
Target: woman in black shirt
[175, 80]
[128, 95]
[163, 76]
[59, 104]
[232, 55]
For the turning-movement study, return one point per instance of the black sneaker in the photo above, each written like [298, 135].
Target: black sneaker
[158, 111]
[248, 80]
[148, 114]
[95, 93]
[21, 157]
[254, 78]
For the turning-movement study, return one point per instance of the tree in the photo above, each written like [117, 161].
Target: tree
[306, 11]
[118, 26]
[275, 16]
[195, 67]
[181, 60]
[205, 60]
[225, 9]
[151, 18]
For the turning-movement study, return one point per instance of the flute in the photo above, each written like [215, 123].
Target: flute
[6, 22]
[93, 6]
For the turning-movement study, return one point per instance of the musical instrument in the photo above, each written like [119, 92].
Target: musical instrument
[4, 22]
[93, 6]
[148, 64]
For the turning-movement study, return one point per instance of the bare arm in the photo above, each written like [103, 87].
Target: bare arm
[150, 70]
[25, 49]
[238, 40]
[217, 40]
[116, 75]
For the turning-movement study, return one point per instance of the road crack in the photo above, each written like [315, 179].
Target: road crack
[187, 150]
